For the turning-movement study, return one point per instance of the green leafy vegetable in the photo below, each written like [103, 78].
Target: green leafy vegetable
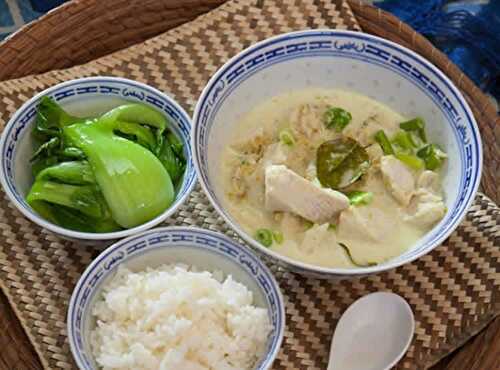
[286, 137]
[353, 261]
[137, 133]
[133, 181]
[278, 237]
[358, 198]
[76, 173]
[337, 118]
[415, 125]
[264, 237]
[82, 198]
[411, 160]
[432, 156]
[50, 119]
[172, 163]
[103, 173]
[385, 144]
[176, 145]
[340, 162]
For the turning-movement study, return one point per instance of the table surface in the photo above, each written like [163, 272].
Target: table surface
[16, 352]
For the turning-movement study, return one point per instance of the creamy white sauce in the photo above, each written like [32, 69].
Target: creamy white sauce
[384, 232]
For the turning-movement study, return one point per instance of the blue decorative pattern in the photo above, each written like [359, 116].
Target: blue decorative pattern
[369, 49]
[128, 249]
[93, 87]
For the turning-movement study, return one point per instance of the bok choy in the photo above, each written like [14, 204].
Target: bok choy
[104, 173]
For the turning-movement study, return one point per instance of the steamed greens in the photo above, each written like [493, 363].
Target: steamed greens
[101, 174]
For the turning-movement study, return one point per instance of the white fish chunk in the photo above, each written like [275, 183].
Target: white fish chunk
[429, 180]
[288, 192]
[364, 225]
[398, 178]
[425, 209]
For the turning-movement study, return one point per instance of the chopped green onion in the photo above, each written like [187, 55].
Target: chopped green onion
[337, 118]
[411, 161]
[358, 198]
[432, 156]
[385, 144]
[404, 141]
[332, 227]
[308, 224]
[264, 237]
[278, 237]
[417, 125]
[353, 261]
[286, 137]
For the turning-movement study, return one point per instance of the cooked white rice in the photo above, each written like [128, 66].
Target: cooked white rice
[176, 318]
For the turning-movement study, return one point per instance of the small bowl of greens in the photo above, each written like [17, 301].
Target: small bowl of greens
[97, 158]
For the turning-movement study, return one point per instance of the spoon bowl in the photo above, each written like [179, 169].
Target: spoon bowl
[372, 334]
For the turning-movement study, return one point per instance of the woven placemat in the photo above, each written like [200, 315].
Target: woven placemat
[453, 291]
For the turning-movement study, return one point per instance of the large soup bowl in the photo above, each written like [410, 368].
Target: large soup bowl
[369, 65]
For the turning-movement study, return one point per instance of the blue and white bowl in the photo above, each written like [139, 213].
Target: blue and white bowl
[353, 61]
[78, 96]
[204, 249]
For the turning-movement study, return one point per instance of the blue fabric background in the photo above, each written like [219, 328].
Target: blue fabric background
[468, 31]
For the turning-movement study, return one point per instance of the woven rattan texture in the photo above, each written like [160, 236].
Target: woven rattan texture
[453, 291]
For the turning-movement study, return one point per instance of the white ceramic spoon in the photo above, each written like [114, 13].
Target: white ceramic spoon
[372, 334]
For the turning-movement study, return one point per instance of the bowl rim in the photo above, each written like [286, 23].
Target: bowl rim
[168, 229]
[73, 234]
[306, 267]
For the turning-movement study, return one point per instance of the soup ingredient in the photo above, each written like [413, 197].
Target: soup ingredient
[286, 137]
[264, 237]
[337, 118]
[103, 173]
[341, 162]
[357, 197]
[385, 144]
[411, 161]
[288, 192]
[398, 179]
[432, 155]
[409, 145]
[415, 125]
[174, 317]
[278, 237]
[353, 260]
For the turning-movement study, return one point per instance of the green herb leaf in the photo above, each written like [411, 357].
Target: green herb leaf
[358, 198]
[332, 227]
[340, 162]
[264, 237]
[337, 118]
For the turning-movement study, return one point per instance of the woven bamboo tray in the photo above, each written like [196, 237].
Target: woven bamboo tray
[453, 290]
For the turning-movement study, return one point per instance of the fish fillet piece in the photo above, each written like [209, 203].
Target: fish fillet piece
[288, 192]
[398, 178]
